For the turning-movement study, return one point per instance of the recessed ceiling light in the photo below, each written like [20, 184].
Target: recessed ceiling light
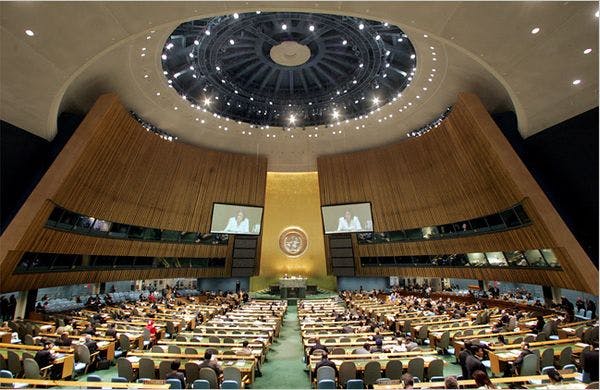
[412, 56]
[377, 37]
[196, 42]
[143, 55]
[146, 76]
[284, 26]
[231, 42]
[587, 51]
[29, 33]
[164, 56]
[361, 26]
[207, 32]
[535, 30]
[400, 39]
[191, 55]
[344, 42]
[575, 82]
[202, 121]
[425, 35]
[257, 12]
[176, 108]
[311, 28]
[235, 16]
[157, 93]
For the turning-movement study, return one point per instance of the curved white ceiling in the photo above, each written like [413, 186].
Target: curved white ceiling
[81, 50]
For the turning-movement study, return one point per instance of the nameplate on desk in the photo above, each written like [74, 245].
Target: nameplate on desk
[154, 382]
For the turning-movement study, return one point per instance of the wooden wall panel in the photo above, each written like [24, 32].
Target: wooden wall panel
[462, 169]
[113, 169]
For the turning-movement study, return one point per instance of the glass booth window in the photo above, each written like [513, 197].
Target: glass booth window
[496, 259]
[477, 259]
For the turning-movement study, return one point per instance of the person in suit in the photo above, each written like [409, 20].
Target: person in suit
[590, 364]
[378, 346]
[473, 362]
[325, 362]
[317, 345]
[45, 357]
[210, 363]
[90, 344]
[176, 374]
[524, 352]
[64, 340]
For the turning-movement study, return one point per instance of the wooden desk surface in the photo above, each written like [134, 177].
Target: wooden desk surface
[471, 382]
[76, 384]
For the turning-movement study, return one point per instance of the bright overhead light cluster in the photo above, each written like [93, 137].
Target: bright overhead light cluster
[430, 126]
[29, 33]
[153, 129]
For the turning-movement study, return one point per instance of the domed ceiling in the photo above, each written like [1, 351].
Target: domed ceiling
[288, 69]
[285, 80]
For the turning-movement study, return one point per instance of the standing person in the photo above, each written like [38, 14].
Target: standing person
[473, 362]
[237, 286]
[348, 223]
[238, 224]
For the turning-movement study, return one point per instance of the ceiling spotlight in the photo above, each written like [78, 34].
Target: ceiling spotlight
[258, 12]
[587, 51]
[353, 81]
[284, 26]
[375, 100]
[231, 42]
[207, 32]
[169, 46]
[335, 114]
[361, 65]
[292, 119]
[164, 56]
[191, 55]
[412, 56]
[206, 101]
[146, 76]
[344, 42]
[236, 16]
[575, 82]
[29, 33]
[535, 30]
[217, 68]
[400, 39]
[157, 93]
[311, 28]
[377, 37]
[202, 121]
[176, 108]
[196, 42]
[361, 26]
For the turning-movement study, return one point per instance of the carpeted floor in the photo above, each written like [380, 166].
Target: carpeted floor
[284, 368]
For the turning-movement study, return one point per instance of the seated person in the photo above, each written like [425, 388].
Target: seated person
[245, 350]
[410, 344]
[524, 352]
[46, 357]
[325, 362]
[378, 346]
[555, 379]
[408, 381]
[175, 374]
[482, 381]
[111, 331]
[210, 363]
[90, 344]
[364, 350]
[64, 340]
[317, 345]
[451, 382]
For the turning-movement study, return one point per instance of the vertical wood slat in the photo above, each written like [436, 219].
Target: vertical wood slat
[461, 170]
[114, 169]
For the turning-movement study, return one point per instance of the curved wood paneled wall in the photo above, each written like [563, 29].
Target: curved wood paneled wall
[113, 169]
[463, 169]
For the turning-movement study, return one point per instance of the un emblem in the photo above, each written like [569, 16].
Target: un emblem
[293, 241]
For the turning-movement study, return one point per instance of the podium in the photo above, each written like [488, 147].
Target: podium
[292, 287]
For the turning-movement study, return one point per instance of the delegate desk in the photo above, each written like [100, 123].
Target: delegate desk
[569, 378]
[65, 356]
[292, 287]
[360, 361]
[502, 355]
[246, 364]
[85, 385]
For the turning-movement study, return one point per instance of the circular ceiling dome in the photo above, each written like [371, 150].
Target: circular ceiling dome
[288, 69]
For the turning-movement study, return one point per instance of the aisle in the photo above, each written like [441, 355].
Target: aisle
[284, 368]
